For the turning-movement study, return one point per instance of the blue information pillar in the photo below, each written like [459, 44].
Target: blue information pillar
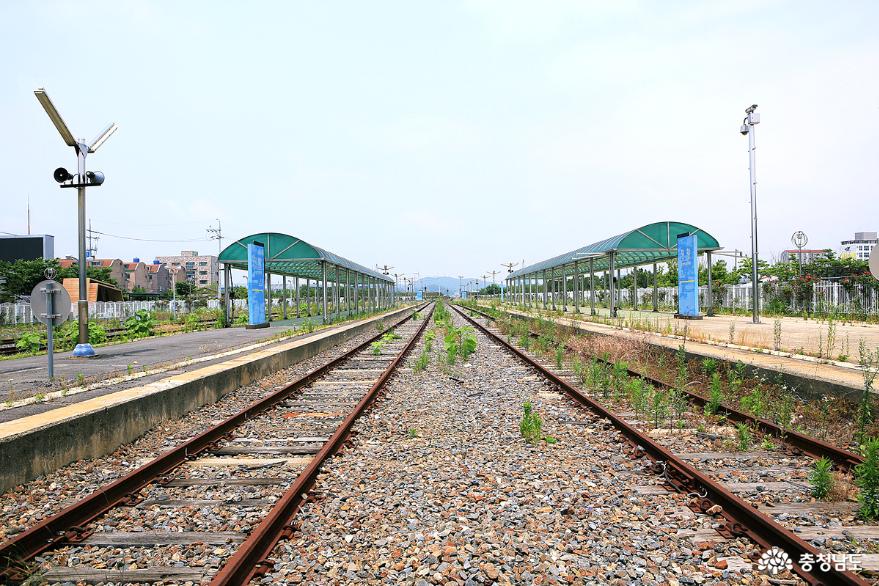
[256, 283]
[688, 277]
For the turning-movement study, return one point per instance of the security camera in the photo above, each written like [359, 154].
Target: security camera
[744, 129]
[94, 177]
[61, 175]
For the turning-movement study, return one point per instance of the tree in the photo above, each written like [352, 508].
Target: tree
[184, 288]
[22, 276]
[492, 289]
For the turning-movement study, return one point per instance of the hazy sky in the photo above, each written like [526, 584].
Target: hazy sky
[442, 137]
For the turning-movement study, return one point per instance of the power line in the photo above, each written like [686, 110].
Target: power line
[151, 239]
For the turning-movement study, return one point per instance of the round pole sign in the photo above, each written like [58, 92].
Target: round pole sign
[60, 303]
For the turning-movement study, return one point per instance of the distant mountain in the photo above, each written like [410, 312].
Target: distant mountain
[447, 285]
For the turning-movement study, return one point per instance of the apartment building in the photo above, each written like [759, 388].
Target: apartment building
[200, 270]
[804, 256]
[136, 276]
[158, 277]
[860, 246]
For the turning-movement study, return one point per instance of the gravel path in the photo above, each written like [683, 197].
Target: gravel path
[439, 487]
[29, 503]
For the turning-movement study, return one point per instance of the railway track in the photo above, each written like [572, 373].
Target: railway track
[213, 507]
[761, 495]
[812, 446]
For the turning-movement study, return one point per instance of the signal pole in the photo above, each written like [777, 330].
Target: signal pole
[748, 124]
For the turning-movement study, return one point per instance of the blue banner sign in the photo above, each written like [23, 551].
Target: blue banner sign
[688, 276]
[419, 296]
[256, 283]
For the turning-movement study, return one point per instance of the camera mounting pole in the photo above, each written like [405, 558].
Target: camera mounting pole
[83, 348]
[751, 120]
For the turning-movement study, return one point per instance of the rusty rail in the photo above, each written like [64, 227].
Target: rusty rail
[70, 523]
[741, 517]
[809, 445]
[251, 558]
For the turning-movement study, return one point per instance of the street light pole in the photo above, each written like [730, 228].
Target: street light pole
[83, 348]
[748, 124]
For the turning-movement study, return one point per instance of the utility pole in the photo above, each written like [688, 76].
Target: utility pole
[460, 286]
[748, 124]
[92, 250]
[217, 234]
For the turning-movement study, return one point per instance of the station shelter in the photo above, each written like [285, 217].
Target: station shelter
[578, 270]
[327, 284]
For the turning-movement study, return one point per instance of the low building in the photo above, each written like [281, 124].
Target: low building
[136, 276]
[200, 270]
[15, 247]
[804, 256]
[860, 246]
[158, 277]
[117, 270]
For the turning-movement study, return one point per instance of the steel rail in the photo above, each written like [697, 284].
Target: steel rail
[809, 445]
[69, 524]
[742, 519]
[251, 557]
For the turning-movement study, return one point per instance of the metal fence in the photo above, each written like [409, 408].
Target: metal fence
[826, 297]
[20, 313]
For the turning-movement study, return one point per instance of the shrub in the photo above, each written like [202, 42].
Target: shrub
[743, 435]
[30, 342]
[531, 425]
[715, 397]
[867, 480]
[140, 325]
[821, 478]
[709, 365]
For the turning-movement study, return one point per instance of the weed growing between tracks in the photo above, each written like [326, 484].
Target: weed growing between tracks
[821, 478]
[836, 420]
[867, 480]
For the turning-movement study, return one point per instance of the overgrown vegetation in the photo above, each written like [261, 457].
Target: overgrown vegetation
[821, 478]
[867, 480]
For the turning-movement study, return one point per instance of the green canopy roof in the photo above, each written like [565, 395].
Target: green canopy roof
[288, 255]
[651, 243]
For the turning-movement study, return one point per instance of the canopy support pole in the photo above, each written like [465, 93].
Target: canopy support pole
[544, 288]
[564, 290]
[268, 296]
[655, 291]
[610, 274]
[284, 299]
[591, 286]
[635, 288]
[227, 273]
[323, 268]
[296, 284]
[576, 287]
[709, 298]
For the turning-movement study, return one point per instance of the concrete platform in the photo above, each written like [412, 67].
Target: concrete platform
[23, 377]
[797, 334]
[809, 376]
[38, 443]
